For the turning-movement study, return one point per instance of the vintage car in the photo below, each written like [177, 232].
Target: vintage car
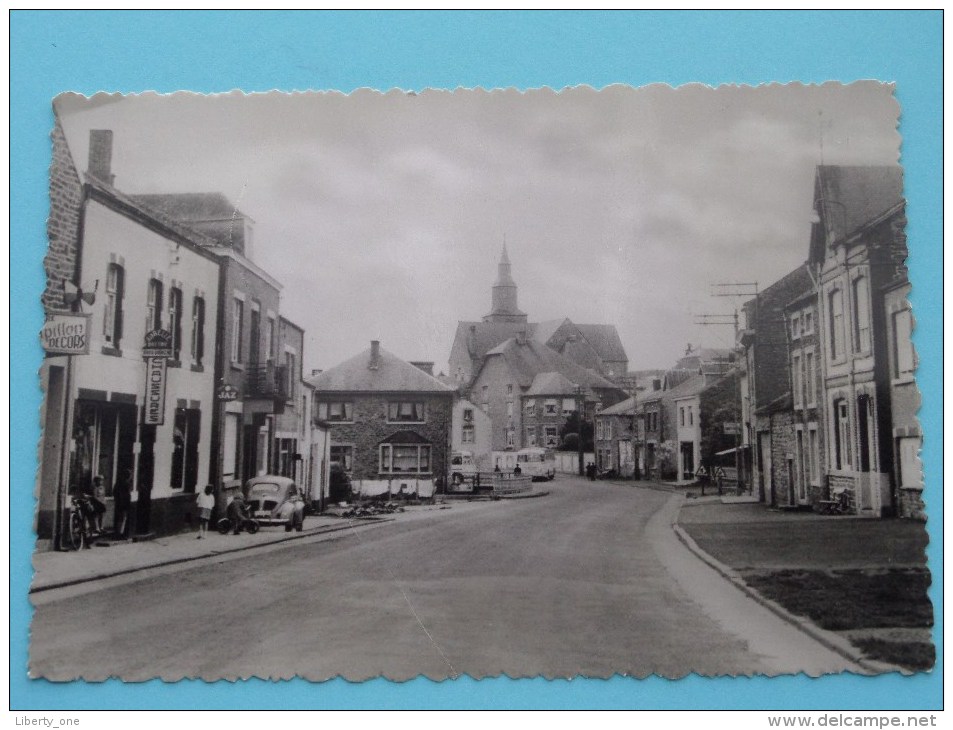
[275, 500]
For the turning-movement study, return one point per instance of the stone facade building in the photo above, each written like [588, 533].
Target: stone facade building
[390, 422]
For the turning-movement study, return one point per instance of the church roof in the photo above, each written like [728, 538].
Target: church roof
[529, 359]
[605, 340]
[391, 374]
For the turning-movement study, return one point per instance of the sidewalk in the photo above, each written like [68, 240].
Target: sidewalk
[60, 569]
[861, 579]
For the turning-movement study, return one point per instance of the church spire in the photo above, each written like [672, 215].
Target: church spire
[504, 294]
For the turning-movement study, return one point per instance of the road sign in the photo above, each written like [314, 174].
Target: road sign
[732, 428]
[66, 334]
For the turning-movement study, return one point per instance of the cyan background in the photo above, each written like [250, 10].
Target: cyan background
[55, 51]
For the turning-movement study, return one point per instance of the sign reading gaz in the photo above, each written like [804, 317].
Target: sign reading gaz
[66, 334]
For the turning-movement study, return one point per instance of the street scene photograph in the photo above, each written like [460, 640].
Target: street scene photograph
[536, 383]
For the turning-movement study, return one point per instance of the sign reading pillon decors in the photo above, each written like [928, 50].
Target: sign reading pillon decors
[158, 343]
[154, 412]
[66, 334]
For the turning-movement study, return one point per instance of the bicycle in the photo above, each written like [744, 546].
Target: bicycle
[81, 529]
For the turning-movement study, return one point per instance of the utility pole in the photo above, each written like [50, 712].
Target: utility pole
[735, 290]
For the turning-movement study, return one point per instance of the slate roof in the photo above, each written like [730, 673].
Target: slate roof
[854, 195]
[193, 206]
[392, 375]
[623, 408]
[531, 358]
[551, 384]
[605, 340]
[692, 386]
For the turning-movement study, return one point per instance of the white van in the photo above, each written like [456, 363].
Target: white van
[537, 462]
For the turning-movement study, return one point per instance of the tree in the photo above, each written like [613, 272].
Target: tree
[569, 434]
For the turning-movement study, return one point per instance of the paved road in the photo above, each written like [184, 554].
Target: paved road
[589, 580]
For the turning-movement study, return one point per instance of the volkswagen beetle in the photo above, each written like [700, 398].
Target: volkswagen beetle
[275, 500]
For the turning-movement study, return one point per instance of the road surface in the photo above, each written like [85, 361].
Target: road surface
[589, 580]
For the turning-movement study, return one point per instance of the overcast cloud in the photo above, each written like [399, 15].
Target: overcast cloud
[383, 214]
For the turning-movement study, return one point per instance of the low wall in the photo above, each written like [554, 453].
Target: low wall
[567, 462]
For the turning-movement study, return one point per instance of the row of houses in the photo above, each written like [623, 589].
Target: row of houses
[181, 370]
[817, 401]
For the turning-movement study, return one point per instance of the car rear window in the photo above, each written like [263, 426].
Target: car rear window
[265, 488]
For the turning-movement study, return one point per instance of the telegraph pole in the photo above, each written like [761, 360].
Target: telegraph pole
[735, 290]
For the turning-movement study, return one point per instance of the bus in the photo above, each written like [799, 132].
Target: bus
[537, 462]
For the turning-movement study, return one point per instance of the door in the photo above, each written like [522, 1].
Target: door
[764, 450]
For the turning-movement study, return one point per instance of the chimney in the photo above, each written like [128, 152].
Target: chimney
[427, 367]
[100, 161]
[521, 337]
[375, 362]
[315, 372]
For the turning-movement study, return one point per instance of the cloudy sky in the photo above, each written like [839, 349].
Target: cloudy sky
[384, 214]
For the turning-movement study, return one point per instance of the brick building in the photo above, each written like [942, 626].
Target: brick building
[390, 422]
[141, 273]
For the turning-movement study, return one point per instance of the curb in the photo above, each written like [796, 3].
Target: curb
[826, 638]
[532, 495]
[190, 558]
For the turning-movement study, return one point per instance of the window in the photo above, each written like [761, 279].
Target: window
[691, 416]
[911, 473]
[198, 331]
[795, 326]
[486, 393]
[509, 390]
[269, 339]
[154, 305]
[569, 406]
[903, 344]
[342, 455]
[815, 454]
[509, 409]
[467, 414]
[405, 411]
[185, 448]
[810, 378]
[550, 407]
[291, 366]
[807, 323]
[529, 407]
[796, 378]
[469, 435]
[550, 437]
[510, 437]
[530, 435]
[405, 459]
[336, 411]
[175, 320]
[681, 416]
[112, 315]
[861, 314]
[285, 450]
[600, 429]
[842, 455]
[835, 306]
[254, 335]
[238, 323]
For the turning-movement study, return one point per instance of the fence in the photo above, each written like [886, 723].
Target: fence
[492, 482]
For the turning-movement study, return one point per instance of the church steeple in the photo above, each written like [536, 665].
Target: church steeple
[504, 294]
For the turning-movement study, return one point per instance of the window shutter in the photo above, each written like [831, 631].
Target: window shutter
[120, 292]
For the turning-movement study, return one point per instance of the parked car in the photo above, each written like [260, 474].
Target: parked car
[275, 500]
[537, 462]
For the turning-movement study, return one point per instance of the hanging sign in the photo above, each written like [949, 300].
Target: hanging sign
[153, 413]
[227, 392]
[66, 334]
[158, 343]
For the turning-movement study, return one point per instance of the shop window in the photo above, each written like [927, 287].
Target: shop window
[103, 441]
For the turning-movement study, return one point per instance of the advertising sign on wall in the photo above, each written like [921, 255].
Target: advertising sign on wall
[154, 412]
[66, 334]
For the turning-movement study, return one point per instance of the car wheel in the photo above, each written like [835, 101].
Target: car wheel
[300, 525]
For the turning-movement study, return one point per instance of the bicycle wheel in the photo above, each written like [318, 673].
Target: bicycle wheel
[77, 531]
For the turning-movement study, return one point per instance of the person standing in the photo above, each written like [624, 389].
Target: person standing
[206, 501]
